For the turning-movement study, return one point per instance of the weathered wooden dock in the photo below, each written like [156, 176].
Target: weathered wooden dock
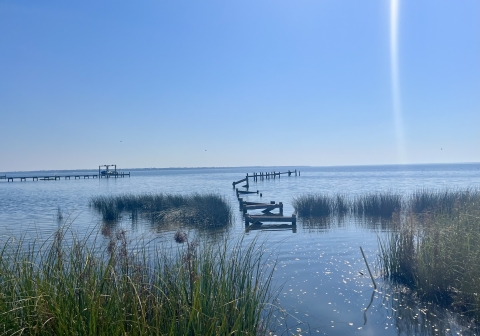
[268, 175]
[271, 227]
[260, 219]
[256, 222]
[265, 207]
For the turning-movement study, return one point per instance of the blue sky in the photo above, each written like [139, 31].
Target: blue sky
[235, 83]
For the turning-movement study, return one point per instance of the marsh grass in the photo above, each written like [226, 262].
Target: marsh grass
[382, 204]
[317, 205]
[312, 205]
[374, 204]
[385, 204]
[193, 209]
[73, 287]
[441, 201]
[438, 256]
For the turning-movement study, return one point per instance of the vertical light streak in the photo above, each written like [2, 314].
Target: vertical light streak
[397, 106]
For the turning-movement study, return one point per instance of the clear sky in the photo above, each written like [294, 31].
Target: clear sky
[156, 83]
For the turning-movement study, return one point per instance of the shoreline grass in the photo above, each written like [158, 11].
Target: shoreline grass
[385, 204]
[382, 204]
[194, 209]
[437, 255]
[441, 201]
[77, 287]
[318, 205]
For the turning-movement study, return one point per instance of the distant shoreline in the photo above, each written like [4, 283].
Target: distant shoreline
[247, 167]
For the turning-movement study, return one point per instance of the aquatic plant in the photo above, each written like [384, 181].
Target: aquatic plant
[71, 286]
[378, 204]
[313, 205]
[441, 201]
[341, 204]
[194, 209]
[438, 256]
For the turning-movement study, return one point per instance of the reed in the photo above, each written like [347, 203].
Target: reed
[342, 204]
[438, 256]
[383, 204]
[73, 287]
[313, 205]
[441, 201]
[194, 209]
[318, 205]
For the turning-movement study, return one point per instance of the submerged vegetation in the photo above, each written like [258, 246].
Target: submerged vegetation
[71, 286]
[437, 253]
[195, 209]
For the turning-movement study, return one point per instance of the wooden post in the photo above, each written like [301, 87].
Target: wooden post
[368, 267]
[294, 220]
[281, 208]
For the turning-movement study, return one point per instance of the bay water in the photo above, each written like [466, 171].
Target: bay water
[321, 278]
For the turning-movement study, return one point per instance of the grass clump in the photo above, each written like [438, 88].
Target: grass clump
[438, 256]
[317, 205]
[195, 209]
[313, 205]
[383, 204]
[78, 288]
[441, 201]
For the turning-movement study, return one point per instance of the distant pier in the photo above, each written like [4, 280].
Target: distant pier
[59, 177]
[101, 174]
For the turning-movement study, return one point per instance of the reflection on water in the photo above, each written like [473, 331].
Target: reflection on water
[415, 318]
[321, 224]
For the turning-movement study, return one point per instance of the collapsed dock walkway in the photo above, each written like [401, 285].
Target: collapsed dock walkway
[256, 222]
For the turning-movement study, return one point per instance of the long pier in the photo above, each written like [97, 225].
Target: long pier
[58, 177]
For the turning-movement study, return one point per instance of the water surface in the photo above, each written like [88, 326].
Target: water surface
[325, 287]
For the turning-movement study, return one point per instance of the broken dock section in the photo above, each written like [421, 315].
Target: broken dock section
[257, 221]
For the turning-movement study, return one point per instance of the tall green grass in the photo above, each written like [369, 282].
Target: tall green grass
[195, 209]
[386, 203]
[317, 205]
[73, 287]
[383, 204]
[441, 201]
[438, 256]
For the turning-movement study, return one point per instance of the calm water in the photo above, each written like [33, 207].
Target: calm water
[319, 265]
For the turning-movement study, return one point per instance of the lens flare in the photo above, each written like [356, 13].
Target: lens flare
[397, 106]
